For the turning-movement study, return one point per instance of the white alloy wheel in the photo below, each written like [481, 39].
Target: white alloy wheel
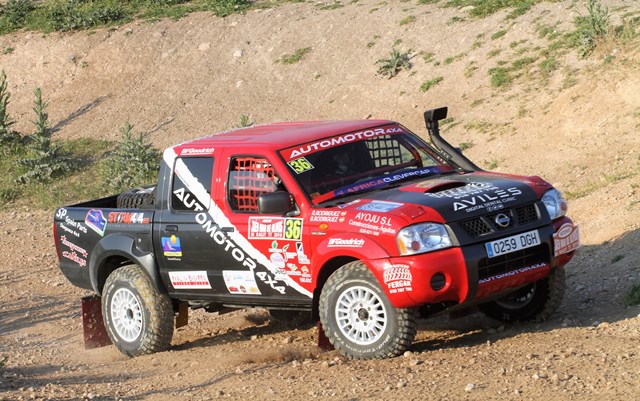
[361, 315]
[126, 314]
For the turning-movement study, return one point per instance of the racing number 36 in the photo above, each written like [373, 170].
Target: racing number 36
[300, 165]
[293, 229]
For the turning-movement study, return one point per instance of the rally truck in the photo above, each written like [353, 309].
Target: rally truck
[361, 224]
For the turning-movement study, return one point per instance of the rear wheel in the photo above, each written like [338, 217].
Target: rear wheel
[139, 320]
[358, 318]
[534, 302]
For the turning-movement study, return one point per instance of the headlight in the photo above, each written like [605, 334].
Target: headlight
[422, 238]
[556, 206]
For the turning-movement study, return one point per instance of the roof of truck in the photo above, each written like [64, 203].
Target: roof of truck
[282, 135]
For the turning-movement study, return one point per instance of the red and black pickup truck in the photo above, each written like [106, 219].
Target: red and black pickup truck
[360, 223]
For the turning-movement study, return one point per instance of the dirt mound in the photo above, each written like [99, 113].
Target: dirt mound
[575, 124]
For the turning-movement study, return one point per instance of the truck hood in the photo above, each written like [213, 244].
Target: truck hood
[459, 197]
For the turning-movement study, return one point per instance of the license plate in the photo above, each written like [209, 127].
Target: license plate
[513, 243]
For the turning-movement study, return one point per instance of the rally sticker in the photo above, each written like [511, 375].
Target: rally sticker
[398, 278]
[275, 228]
[240, 282]
[190, 280]
[171, 246]
[300, 165]
[379, 206]
[96, 221]
[566, 239]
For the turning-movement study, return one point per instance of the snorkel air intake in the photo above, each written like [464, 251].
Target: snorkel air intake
[431, 118]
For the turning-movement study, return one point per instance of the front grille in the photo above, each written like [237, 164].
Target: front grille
[475, 227]
[526, 214]
[490, 267]
[484, 225]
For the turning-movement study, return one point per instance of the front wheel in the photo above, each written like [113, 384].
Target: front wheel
[139, 319]
[534, 302]
[358, 318]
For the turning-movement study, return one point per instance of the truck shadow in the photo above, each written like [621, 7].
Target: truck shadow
[591, 297]
[598, 281]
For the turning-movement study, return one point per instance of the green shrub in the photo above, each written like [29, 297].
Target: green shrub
[592, 27]
[295, 57]
[500, 77]
[44, 160]
[549, 65]
[14, 14]
[407, 20]
[8, 138]
[633, 296]
[132, 163]
[68, 15]
[245, 121]
[224, 8]
[391, 66]
[430, 83]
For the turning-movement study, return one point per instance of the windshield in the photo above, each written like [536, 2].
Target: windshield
[360, 162]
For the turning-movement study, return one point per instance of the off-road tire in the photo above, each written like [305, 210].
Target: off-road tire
[534, 302]
[136, 198]
[150, 311]
[399, 329]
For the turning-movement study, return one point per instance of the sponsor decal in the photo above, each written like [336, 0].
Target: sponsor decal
[384, 181]
[296, 152]
[293, 270]
[190, 280]
[379, 206]
[512, 273]
[240, 282]
[194, 151]
[372, 224]
[479, 195]
[275, 228]
[70, 231]
[75, 225]
[96, 221]
[73, 247]
[171, 246]
[277, 259]
[280, 256]
[74, 257]
[75, 253]
[566, 239]
[235, 243]
[127, 218]
[303, 259]
[327, 216]
[61, 213]
[353, 202]
[345, 243]
[300, 165]
[188, 199]
[398, 278]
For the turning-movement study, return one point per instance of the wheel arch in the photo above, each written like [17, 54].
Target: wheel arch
[329, 267]
[115, 251]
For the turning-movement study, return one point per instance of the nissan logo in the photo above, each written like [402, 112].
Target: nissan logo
[502, 220]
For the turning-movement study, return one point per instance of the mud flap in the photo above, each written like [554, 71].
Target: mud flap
[95, 334]
[182, 318]
[323, 341]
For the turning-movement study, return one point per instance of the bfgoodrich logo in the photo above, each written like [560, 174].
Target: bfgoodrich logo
[345, 243]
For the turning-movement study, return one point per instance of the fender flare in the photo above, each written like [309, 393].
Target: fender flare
[123, 246]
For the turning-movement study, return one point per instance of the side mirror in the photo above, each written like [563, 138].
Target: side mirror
[278, 202]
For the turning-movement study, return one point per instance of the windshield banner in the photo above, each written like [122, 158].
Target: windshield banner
[309, 148]
[379, 182]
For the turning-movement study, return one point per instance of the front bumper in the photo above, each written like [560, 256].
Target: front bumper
[466, 274]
